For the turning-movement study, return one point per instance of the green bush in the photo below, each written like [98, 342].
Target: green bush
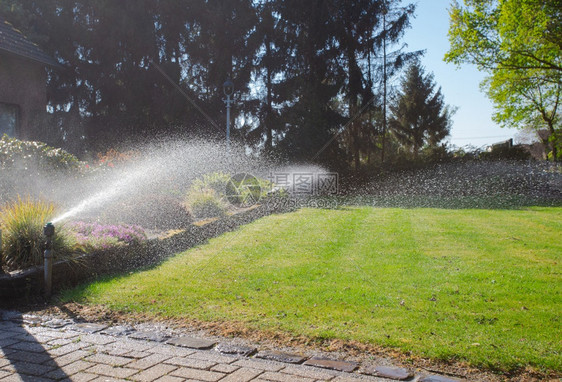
[206, 203]
[28, 156]
[214, 193]
[216, 181]
[22, 223]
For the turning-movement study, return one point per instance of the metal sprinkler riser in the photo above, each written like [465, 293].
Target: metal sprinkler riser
[49, 232]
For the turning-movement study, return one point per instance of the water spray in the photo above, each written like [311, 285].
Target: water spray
[1, 270]
[228, 89]
[49, 232]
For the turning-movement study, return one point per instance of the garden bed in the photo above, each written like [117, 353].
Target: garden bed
[28, 284]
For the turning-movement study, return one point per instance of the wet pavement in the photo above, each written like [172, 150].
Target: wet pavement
[38, 348]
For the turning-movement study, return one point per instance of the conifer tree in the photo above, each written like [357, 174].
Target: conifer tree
[419, 115]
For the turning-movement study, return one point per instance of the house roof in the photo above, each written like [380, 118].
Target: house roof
[13, 41]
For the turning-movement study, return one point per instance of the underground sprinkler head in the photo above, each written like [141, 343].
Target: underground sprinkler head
[49, 230]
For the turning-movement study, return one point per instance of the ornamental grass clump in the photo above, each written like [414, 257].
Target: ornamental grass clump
[22, 223]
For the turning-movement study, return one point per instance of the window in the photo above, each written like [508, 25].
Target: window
[9, 119]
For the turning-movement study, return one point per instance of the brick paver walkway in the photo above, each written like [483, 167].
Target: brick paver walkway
[36, 349]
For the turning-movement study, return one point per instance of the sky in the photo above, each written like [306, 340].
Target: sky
[472, 123]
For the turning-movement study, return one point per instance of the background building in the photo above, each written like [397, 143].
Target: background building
[23, 83]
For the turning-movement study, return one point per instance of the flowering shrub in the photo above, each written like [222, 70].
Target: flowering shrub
[113, 156]
[95, 236]
[30, 157]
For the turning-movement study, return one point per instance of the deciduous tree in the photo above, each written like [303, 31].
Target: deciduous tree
[519, 44]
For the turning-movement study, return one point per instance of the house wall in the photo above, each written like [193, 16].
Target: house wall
[23, 82]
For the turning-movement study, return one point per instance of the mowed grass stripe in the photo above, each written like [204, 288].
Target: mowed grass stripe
[482, 286]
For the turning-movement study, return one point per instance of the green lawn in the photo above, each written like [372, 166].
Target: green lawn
[482, 286]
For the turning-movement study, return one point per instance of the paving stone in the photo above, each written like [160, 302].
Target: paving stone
[57, 323]
[25, 378]
[171, 350]
[88, 327]
[260, 365]
[4, 362]
[34, 338]
[81, 377]
[242, 375]
[327, 363]
[153, 373]
[32, 347]
[3, 374]
[150, 336]
[9, 315]
[151, 360]
[169, 378]
[119, 331]
[323, 375]
[111, 371]
[112, 349]
[107, 379]
[399, 374]
[192, 343]
[360, 378]
[356, 378]
[8, 325]
[27, 357]
[59, 342]
[97, 339]
[71, 357]
[199, 375]
[29, 368]
[108, 359]
[7, 342]
[281, 357]
[213, 356]
[138, 345]
[191, 363]
[32, 320]
[68, 334]
[65, 349]
[438, 378]
[222, 368]
[5, 334]
[135, 354]
[69, 370]
[241, 350]
[41, 330]
[280, 377]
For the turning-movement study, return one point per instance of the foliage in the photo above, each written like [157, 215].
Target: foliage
[216, 181]
[206, 203]
[291, 62]
[22, 223]
[519, 44]
[112, 157]
[456, 285]
[524, 100]
[419, 114]
[212, 194]
[25, 156]
[507, 34]
[96, 236]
